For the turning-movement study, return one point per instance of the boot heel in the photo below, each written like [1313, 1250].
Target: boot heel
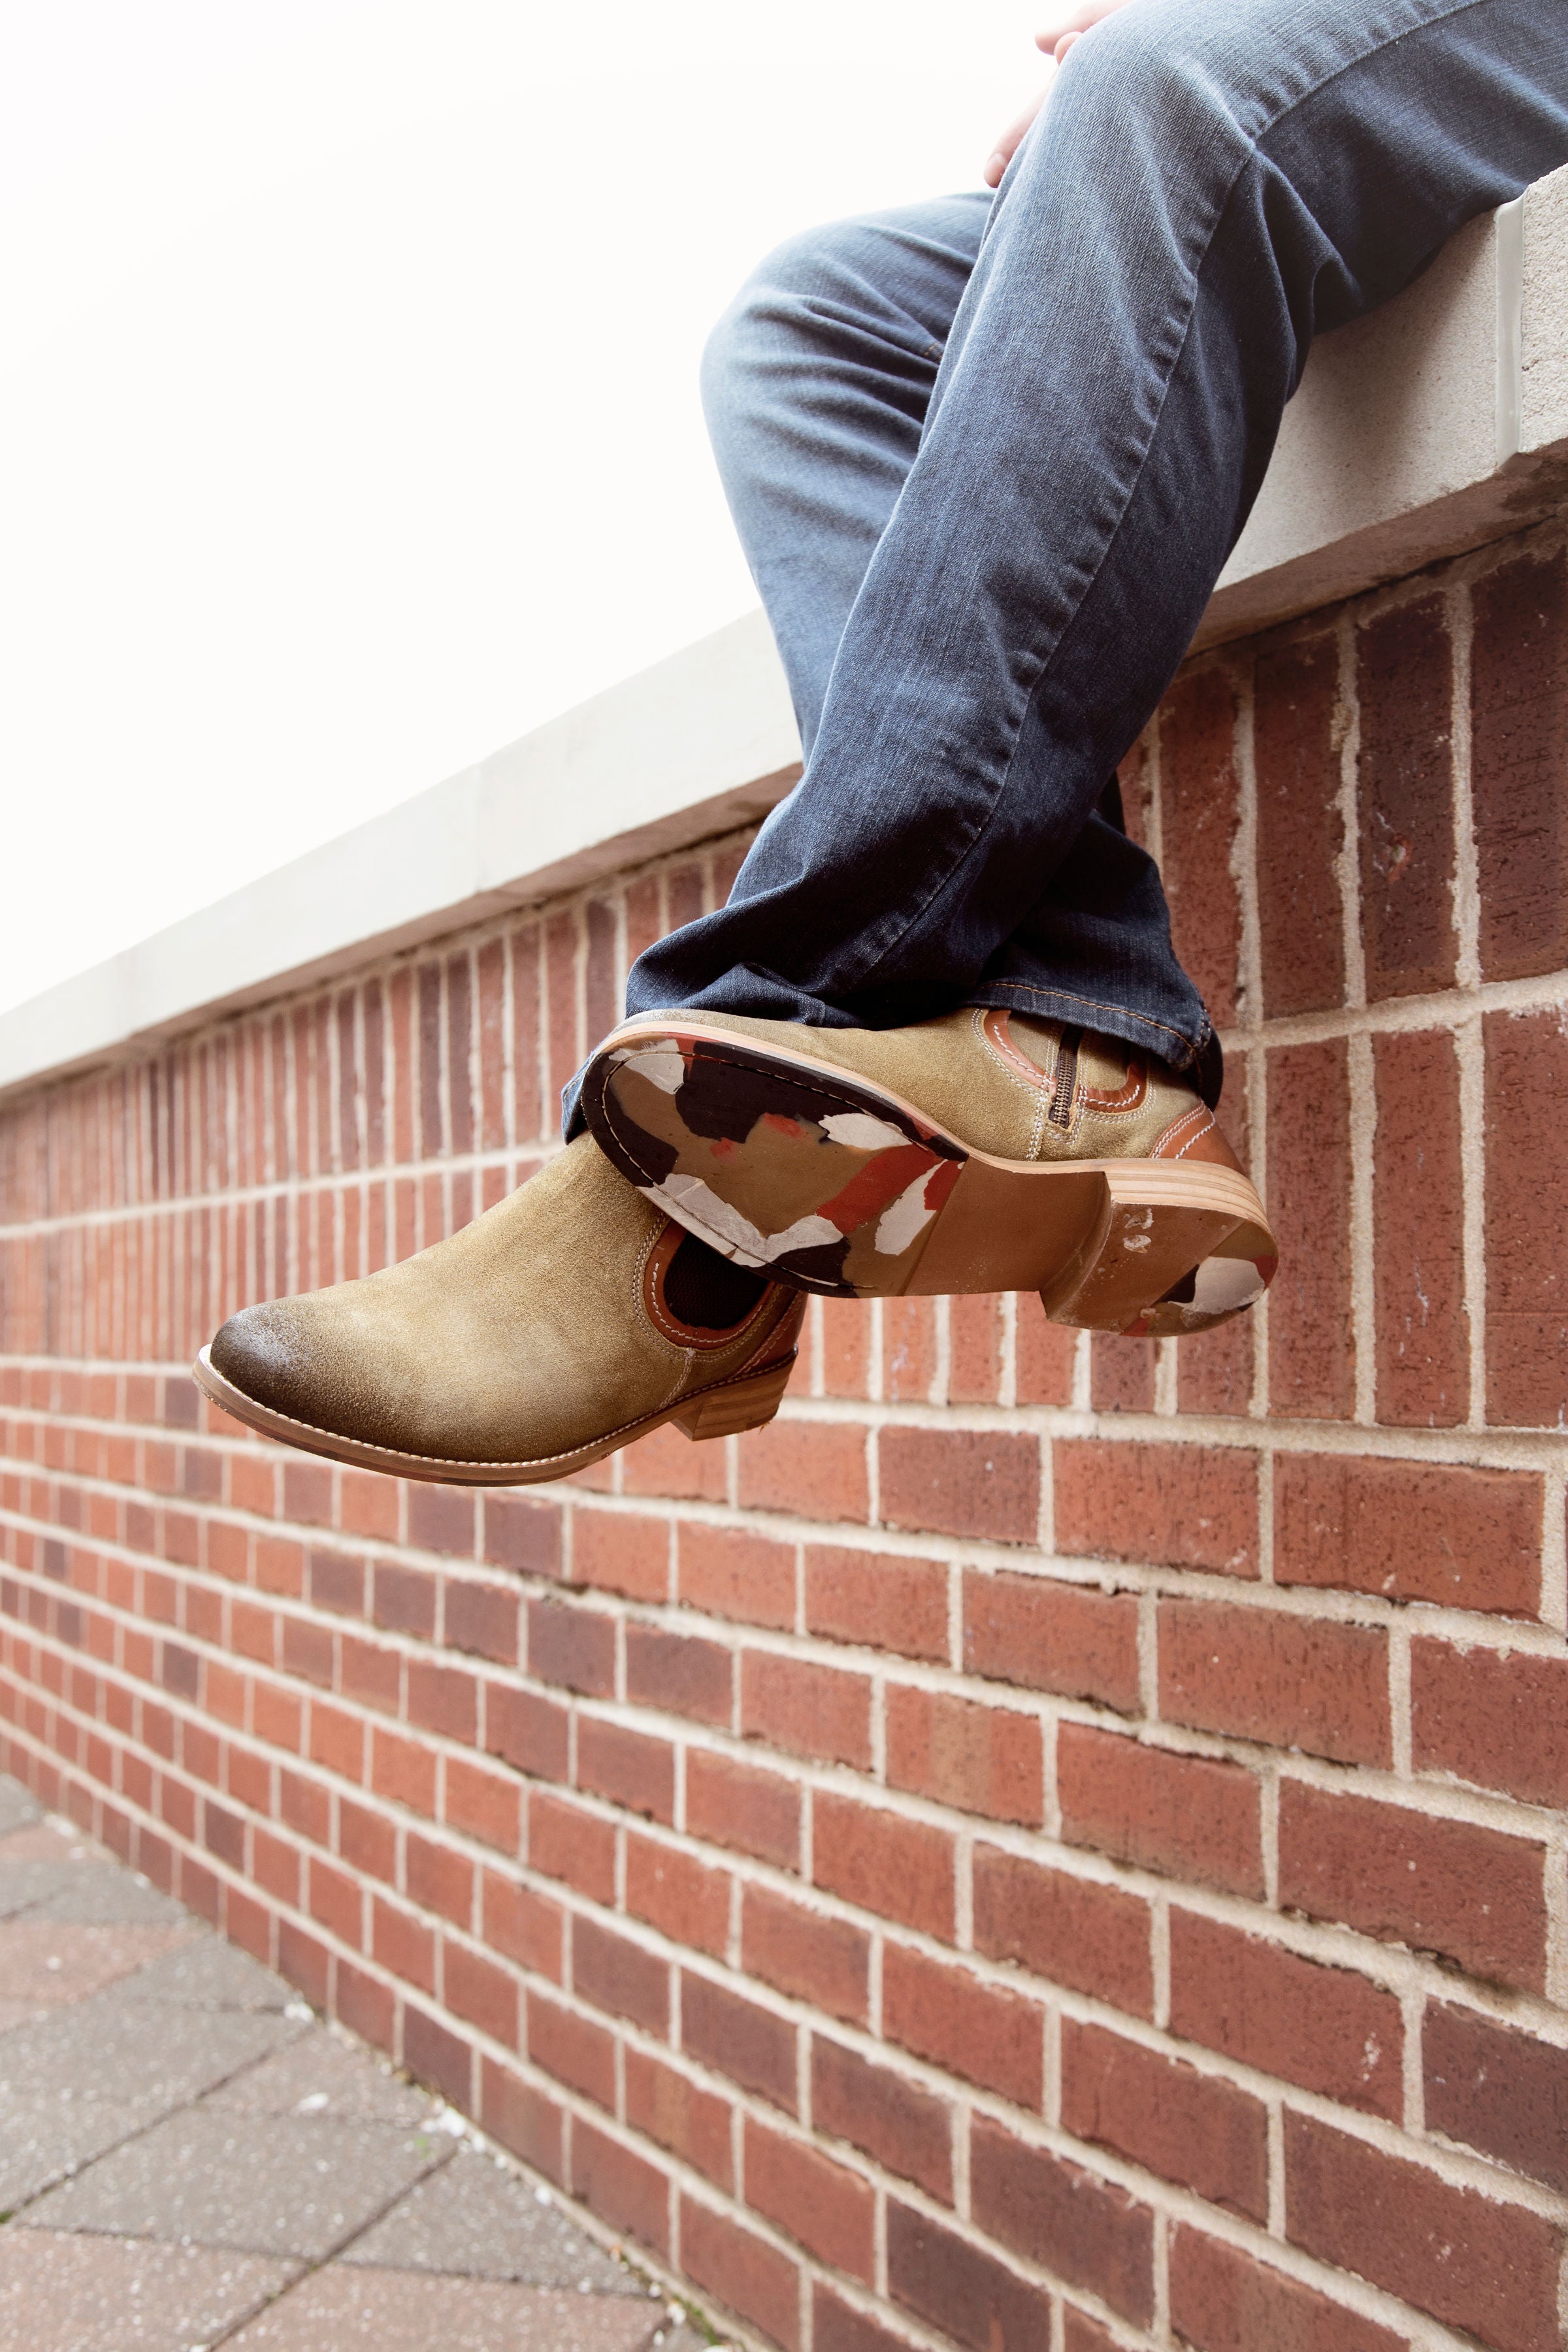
[1162, 1267]
[746, 1404]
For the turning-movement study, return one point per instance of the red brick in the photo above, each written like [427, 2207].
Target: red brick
[566, 1843]
[1478, 2264]
[846, 1350]
[615, 1974]
[483, 1804]
[1121, 1374]
[1403, 683]
[679, 1894]
[522, 1925]
[1173, 1505]
[1327, 2028]
[681, 2116]
[626, 1766]
[974, 1349]
[823, 2206]
[1070, 1639]
[1186, 1816]
[806, 1709]
[1088, 2233]
[1300, 829]
[1409, 1530]
[730, 1573]
[1519, 720]
[1526, 1220]
[908, 1348]
[907, 2129]
[674, 1672]
[522, 1534]
[983, 2032]
[1081, 2334]
[900, 1869]
[741, 1806]
[1312, 1371]
[836, 2327]
[1195, 2129]
[666, 1463]
[434, 2054]
[1200, 812]
[572, 2048]
[439, 1879]
[441, 1518]
[623, 2188]
[521, 2118]
[742, 2272]
[1045, 1355]
[1502, 2093]
[404, 1599]
[1071, 1931]
[819, 1959]
[441, 1700]
[621, 1552]
[573, 1647]
[964, 2294]
[983, 1759]
[400, 1769]
[474, 1988]
[1452, 1887]
[737, 2037]
[1225, 2301]
[1497, 1719]
[1418, 1238]
[960, 1482]
[878, 1599]
[404, 1946]
[526, 1730]
[821, 1463]
[1214, 1370]
[1290, 1682]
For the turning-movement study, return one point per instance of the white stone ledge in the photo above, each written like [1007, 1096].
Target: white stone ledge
[1431, 426]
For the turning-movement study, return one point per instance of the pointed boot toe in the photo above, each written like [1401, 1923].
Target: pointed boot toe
[259, 1352]
[556, 1329]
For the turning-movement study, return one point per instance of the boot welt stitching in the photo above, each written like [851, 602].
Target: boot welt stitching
[453, 1462]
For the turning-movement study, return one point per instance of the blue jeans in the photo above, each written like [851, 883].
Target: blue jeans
[988, 455]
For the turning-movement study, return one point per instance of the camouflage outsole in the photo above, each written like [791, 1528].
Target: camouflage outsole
[833, 1185]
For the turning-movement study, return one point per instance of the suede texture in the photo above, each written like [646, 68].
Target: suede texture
[958, 1071]
[522, 1338]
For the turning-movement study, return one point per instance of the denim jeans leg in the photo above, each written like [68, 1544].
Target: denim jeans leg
[816, 381]
[1210, 183]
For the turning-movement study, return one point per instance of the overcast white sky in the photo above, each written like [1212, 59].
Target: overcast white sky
[348, 414]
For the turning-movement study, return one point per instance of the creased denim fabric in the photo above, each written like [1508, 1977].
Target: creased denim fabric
[988, 458]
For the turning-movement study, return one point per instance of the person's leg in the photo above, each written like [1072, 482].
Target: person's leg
[1210, 183]
[815, 382]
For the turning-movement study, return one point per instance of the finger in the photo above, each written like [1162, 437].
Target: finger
[1071, 23]
[1064, 44]
[1007, 146]
[1066, 20]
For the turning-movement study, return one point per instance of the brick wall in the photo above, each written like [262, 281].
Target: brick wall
[1055, 1844]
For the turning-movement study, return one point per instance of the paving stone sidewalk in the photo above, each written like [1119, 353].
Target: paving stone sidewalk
[188, 2157]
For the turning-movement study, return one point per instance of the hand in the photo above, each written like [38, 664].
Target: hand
[1058, 37]
[1055, 39]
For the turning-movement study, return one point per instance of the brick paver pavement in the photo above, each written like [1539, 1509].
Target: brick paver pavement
[189, 2159]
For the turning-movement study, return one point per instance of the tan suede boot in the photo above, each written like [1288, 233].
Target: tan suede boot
[985, 1150]
[533, 1342]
